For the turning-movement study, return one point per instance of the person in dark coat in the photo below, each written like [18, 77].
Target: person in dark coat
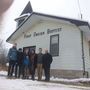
[39, 64]
[20, 56]
[47, 60]
[33, 58]
[12, 56]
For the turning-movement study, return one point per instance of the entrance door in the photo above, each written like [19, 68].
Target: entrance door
[29, 48]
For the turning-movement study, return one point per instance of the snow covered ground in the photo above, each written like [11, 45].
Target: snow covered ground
[19, 84]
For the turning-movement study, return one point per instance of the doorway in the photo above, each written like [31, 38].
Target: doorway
[30, 48]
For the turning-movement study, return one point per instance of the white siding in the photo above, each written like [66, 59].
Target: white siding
[69, 44]
[86, 54]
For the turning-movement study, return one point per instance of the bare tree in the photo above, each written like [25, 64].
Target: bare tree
[3, 52]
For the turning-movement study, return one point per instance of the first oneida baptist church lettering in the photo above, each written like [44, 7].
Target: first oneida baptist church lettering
[49, 31]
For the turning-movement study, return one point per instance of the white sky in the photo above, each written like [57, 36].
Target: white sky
[64, 8]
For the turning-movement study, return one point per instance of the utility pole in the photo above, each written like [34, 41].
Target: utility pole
[81, 16]
[83, 58]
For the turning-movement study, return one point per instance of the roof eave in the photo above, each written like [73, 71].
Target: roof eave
[76, 22]
[18, 27]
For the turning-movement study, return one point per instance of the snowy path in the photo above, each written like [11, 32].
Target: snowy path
[19, 84]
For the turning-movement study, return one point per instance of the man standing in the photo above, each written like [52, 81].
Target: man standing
[33, 58]
[20, 56]
[39, 64]
[47, 60]
[12, 56]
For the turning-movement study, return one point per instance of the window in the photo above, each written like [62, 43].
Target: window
[22, 18]
[20, 21]
[54, 45]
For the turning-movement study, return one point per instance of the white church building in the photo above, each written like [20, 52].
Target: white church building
[68, 41]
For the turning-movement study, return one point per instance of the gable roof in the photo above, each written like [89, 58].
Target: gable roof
[35, 17]
[27, 9]
[24, 14]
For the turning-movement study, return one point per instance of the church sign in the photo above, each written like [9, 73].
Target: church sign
[49, 31]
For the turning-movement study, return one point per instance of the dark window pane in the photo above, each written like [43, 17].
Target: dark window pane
[54, 45]
[20, 21]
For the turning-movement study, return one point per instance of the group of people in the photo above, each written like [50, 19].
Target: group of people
[24, 63]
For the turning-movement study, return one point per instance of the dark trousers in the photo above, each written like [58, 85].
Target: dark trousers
[33, 68]
[25, 71]
[11, 67]
[18, 70]
[47, 73]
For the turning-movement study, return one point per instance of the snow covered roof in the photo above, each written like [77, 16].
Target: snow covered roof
[37, 17]
[22, 16]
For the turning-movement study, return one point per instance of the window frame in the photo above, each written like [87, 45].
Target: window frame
[51, 44]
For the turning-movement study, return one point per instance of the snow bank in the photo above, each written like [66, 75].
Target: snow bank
[71, 80]
[3, 73]
[59, 79]
[19, 84]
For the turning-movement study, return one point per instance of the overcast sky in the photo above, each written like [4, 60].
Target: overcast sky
[64, 8]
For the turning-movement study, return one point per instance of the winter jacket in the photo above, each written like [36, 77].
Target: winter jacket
[39, 58]
[20, 57]
[33, 58]
[47, 60]
[26, 60]
[12, 55]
